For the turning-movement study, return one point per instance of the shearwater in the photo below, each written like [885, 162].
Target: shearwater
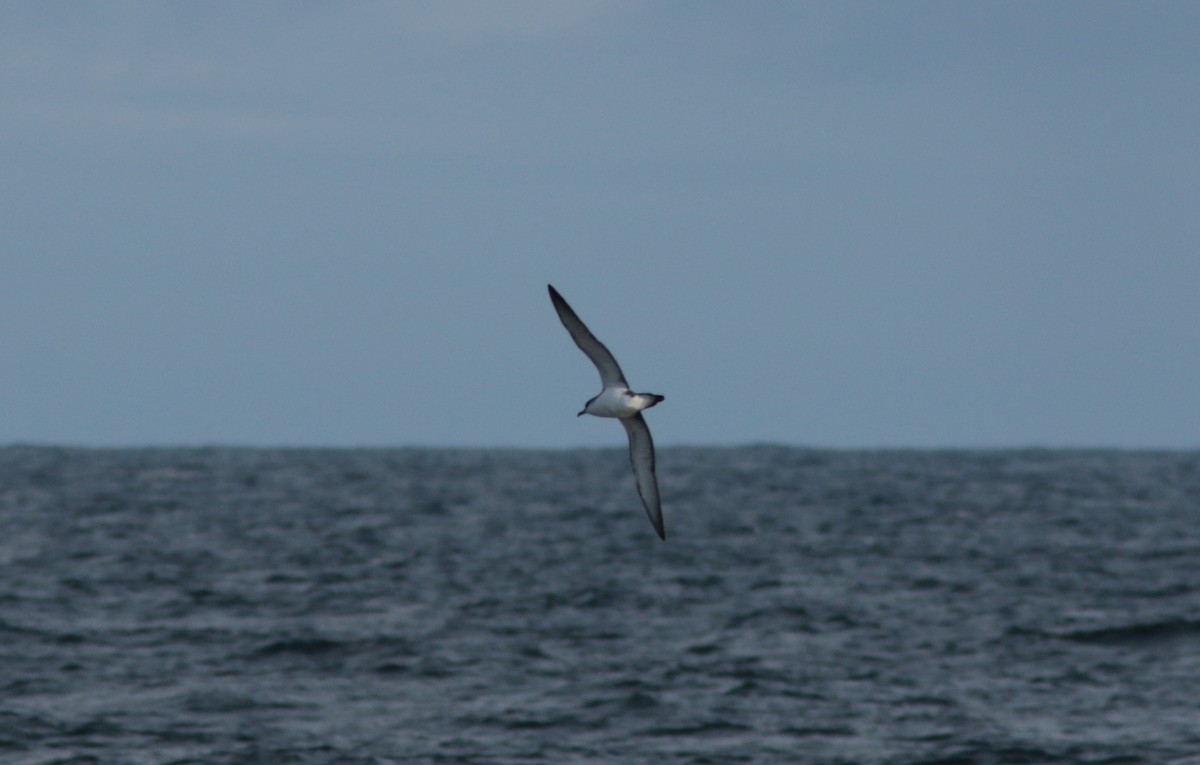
[617, 400]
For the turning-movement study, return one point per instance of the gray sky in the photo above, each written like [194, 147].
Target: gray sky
[840, 224]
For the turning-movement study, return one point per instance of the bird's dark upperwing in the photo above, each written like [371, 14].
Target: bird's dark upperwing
[641, 456]
[610, 371]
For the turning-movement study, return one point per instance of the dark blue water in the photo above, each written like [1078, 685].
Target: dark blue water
[414, 606]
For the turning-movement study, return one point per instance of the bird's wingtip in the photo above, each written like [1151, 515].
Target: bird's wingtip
[660, 528]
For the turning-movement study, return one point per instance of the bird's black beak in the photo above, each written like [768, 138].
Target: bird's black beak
[582, 413]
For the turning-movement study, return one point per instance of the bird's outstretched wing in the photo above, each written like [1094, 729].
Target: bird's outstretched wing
[610, 372]
[641, 456]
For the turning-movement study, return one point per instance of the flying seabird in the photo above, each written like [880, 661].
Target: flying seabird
[617, 400]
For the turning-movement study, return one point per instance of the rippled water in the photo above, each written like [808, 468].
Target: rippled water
[386, 606]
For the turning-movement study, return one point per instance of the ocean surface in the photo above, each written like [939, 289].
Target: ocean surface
[222, 605]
